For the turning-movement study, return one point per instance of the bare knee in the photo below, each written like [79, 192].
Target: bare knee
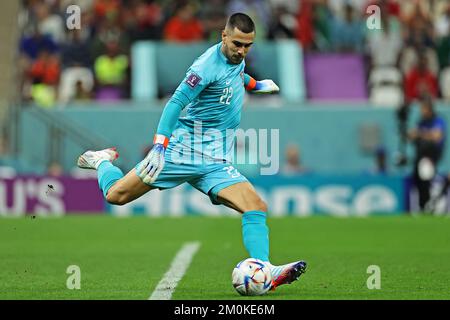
[260, 205]
[256, 204]
[242, 197]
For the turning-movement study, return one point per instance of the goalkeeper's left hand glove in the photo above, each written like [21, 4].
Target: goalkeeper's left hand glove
[150, 168]
[265, 86]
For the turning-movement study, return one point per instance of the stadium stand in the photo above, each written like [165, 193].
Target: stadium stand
[319, 26]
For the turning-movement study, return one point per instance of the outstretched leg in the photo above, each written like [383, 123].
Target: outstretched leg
[243, 198]
[117, 188]
[127, 189]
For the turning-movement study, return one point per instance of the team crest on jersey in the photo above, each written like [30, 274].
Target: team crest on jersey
[242, 76]
[193, 80]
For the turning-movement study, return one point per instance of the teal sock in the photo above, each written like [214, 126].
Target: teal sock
[255, 234]
[107, 175]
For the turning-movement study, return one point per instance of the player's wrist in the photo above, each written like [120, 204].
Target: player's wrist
[161, 139]
[250, 83]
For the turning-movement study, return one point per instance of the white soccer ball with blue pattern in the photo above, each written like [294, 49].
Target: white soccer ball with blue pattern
[252, 277]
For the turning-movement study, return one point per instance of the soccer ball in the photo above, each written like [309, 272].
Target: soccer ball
[251, 277]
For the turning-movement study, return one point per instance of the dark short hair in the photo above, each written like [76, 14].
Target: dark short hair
[241, 21]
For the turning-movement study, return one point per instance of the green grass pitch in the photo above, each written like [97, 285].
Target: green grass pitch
[125, 258]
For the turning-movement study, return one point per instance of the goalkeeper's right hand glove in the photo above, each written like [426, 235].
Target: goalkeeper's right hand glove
[150, 168]
[265, 86]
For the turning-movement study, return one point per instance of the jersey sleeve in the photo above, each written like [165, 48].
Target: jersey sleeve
[195, 80]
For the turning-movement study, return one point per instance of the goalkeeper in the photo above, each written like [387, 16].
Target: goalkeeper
[213, 93]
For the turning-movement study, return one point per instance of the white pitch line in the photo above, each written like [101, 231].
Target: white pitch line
[180, 264]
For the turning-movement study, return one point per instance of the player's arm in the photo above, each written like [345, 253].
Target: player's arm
[188, 90]
[261, 86]
[149, 169]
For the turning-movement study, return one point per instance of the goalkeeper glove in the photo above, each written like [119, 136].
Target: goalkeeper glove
[150, 168]
[265, 86]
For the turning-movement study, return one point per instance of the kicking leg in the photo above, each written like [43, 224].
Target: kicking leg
[127, 189]
[243, 198]
[116, 188]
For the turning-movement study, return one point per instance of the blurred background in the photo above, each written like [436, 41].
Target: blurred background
[90, 74]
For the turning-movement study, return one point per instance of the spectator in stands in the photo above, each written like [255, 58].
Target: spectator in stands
[258, 10]
[419, 30]
[49, 23]
[322, 16]
[420, 81]
[109, 30]
[305, 28]
[75, 51]
[184, 26]
[44, 75]
[213, 17]
[347, 34]
[46, 69]
[111, 73]
[106, 8]
[55, 169]
[282, 25]
[386, 44]
[144, 20]
[35, 42]
[77, 80]
[317, 24]
[293, 163]
[290, 6]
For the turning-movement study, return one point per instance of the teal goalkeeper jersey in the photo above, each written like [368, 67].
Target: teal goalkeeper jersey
[215, 89]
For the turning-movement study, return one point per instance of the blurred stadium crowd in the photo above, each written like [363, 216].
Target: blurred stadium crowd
[408, 57]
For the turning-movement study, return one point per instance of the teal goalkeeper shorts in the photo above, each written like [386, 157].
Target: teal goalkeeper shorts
[208, 178]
